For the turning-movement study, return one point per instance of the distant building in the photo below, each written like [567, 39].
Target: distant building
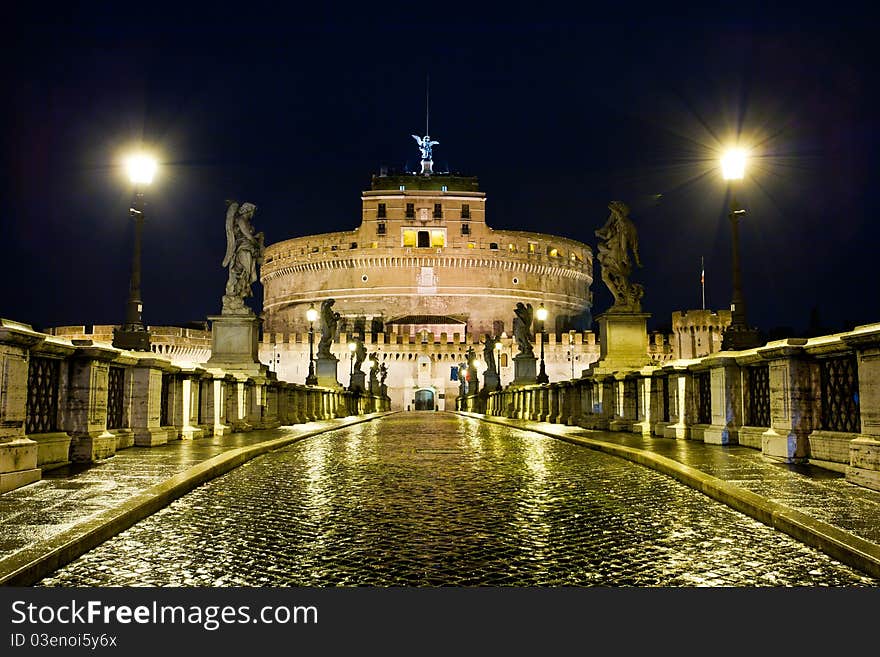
[698, 333]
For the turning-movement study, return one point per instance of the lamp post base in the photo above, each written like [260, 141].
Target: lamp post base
[131, 338]
[740, 338]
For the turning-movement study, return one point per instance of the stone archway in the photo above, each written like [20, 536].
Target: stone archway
[424, 400]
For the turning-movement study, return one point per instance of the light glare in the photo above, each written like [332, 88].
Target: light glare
[311, 314]
[141, 169]
[733, 164]
[542, 314]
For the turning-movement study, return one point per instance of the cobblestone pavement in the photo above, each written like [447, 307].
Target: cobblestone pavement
[822, 494]
[420, 499]
[68, 495]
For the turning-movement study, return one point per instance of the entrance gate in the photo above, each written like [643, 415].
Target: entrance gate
[424, 400]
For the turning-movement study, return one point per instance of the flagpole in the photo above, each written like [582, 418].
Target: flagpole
[703, 280]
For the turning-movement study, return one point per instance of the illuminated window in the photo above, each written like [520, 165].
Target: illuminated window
[503, 360]
[374, 245]
[533, 247]
[472, 245]
[444, 188]
[438, 211]
[465, 229]
[402, 187]
[511, 248]
[552, 252]
[410, 210]
[380, 228]
[465, 211]
[380, 212]
[409, 237]
[438, 238]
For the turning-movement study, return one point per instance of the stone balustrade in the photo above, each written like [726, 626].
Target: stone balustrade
[798, 400]
[79, 400]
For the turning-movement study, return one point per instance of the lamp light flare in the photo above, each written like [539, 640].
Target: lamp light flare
[733, 164]
[542, 313]
[312, 314]
[141, 169]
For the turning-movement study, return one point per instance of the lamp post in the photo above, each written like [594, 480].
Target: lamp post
[542, 375]
[311, 315]
[133, 335]
[351, 347]
[498, 361]
[738, 335]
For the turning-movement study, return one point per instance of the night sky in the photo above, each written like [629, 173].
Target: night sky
[556, 117]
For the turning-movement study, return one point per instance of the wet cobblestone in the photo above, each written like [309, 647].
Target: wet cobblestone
[67, 496]
[436, 499]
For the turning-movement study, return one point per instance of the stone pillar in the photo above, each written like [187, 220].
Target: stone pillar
[18, 454]
[682, 405]
[86, 419]
[618, 419]
[727, 401]
[223, 396]
[864, 451]
[190, 402]
[644, 420]
[145, 402]
[792, 401]
[659, 400]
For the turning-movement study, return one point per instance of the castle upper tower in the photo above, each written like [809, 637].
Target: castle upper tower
[423, 250]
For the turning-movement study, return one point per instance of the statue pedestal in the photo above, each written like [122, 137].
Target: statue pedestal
[326, 371]
[623, 341]
[357, 381]
[234, 344]
[525, 371]
[491, 381]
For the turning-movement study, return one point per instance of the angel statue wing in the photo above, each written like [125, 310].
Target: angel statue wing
[418, 140]
[231, 209]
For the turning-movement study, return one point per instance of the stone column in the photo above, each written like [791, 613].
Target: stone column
[644, 386]
[792, 401]
[224, 396]
[864, 451]
[86, 419]
[682, 405]
[144, 404]
[18, 454]
[190, 391]
[727, 401]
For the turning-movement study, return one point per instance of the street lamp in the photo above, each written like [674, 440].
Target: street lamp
[351, 347]
[133, 335]
[542, 316]
[498, 360]
[311, 315]
[738, 335]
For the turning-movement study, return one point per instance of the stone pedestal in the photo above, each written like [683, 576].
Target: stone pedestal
[623, 341]
[326, 371]
[358, 379]
[525, 370]
[491, 381]
[234, 344]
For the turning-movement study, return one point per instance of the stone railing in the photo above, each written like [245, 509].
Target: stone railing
[82, 400]
[798, 400]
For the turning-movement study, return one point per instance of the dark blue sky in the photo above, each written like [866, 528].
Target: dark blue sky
[556, 117]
